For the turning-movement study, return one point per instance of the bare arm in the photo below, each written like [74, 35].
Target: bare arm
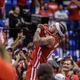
[18, 41]
[4, 54]
[36, 37]
[42, 40]
[17, 60]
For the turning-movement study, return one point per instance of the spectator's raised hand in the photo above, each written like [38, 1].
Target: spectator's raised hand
[2, 39]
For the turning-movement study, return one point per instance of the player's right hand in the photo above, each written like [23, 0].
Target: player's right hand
[41, 26]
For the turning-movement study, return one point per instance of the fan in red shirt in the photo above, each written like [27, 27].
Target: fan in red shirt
[45, 11]
[22, 3]
[7, 72]
[74, 7]
[53, 7]
[46, 40]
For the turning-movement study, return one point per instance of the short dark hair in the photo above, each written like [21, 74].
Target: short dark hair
[45, 72]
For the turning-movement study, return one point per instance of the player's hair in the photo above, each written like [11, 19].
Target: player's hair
[61, 28]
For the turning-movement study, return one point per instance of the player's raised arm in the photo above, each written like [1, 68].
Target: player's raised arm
[46, 40]
[36, 37]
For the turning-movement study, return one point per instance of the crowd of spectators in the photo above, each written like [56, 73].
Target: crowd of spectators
[19, 30]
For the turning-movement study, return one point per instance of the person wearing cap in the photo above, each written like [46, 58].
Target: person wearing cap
[45, 41]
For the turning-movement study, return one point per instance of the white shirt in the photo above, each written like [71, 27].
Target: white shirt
[63, 14]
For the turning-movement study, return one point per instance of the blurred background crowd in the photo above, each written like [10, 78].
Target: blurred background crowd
[18, 23]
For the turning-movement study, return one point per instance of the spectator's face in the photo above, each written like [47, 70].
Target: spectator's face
[67, 65]
[21, 52]
[42, 7]
[61, 7]
[10, 52]
[46, 5]
[17, 10]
